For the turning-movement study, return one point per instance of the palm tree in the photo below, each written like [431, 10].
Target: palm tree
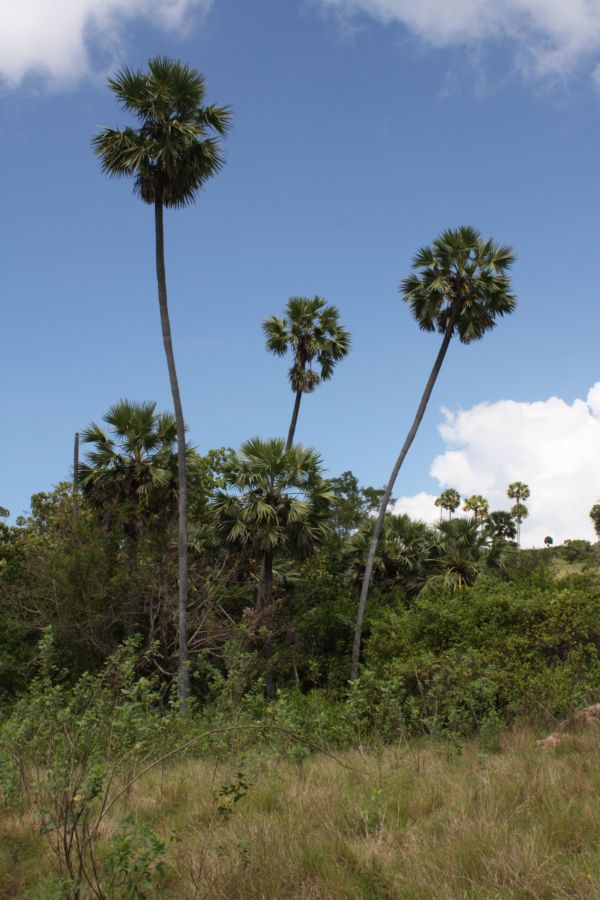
[500, 524]
[131, 470]
[457, 555]
[312, 331]
[274, 504]
[130, 475]
[402, 551]
[518, 491]
[477, 505]
[170, 155]
[460, 286]
[448, 500]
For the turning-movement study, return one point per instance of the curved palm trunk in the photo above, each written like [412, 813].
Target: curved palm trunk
[294, 422]
[184, 676]
[364, 591]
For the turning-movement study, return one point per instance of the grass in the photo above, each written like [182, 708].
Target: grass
[419, 821]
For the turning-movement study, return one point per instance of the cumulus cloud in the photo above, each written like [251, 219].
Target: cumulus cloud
[59, 40]
[551, 445]
[549, 36]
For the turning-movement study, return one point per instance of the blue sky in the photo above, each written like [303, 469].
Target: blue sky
[362, 128]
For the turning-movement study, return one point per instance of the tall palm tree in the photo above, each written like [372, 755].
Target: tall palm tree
[518, 491]
[460, 286]
[274, 504]
[312, 331]
[170, 154]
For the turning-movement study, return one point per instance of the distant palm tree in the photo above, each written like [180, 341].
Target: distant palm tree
[518, 491]
[402, 551]
[462, 551]
[457, 555]
[170, 155]
[312, 332]
[448, 500]
[477, 505]
[460, 286]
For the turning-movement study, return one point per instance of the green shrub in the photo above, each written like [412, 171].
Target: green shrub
[508, 649]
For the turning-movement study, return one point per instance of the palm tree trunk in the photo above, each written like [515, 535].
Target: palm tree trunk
[364, 591]
[184, 676]
[294, 422]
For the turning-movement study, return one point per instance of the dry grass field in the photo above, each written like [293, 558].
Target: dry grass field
[415, 821]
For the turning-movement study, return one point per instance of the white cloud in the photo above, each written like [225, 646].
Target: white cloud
[549, 36]
[551, 445]
[59, 39]
[421, 506]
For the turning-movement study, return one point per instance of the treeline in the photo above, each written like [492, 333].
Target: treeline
[277, 557]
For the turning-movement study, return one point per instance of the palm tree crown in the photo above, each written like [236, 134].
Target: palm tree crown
[274, 501]
[311, 330]
[460, 268]
[173, 151]
[449, 500]
[131, 470]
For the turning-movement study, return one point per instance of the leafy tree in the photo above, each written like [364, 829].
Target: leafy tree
[595, 517]
[448, 500]
[460, 286]
[171, 154]
[477, 505]
[518, 491]
[311, 330]
[351, 503]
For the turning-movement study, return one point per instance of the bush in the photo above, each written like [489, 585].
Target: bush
[529, 648]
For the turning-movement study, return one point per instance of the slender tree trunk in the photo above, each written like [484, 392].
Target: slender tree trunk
[184, 675]
[76, 479]
[294, 422]
[364, 591]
